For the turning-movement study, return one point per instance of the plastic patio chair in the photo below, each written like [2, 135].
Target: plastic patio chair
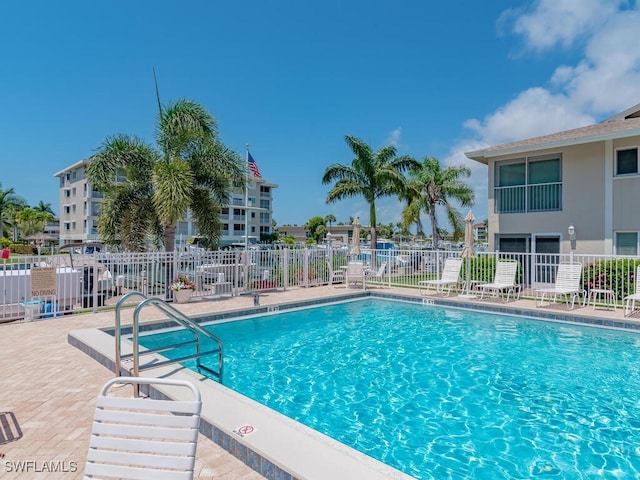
[355, 274]
[503, 281]
[142, 437]
[567, 283]
[450, 276]
[335, 276]
[630, 300]
[378, 275]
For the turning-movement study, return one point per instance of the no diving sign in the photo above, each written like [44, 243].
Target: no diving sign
[244, 430]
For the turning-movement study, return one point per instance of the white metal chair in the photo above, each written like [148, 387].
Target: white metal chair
[450, 276]
[630, 300]
[335, 276]
[378, 275]
[567, 283]
[355, 274]
[138, 438]
[503, 281]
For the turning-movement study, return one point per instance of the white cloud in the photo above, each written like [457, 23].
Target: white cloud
[553, 22]
[394, 138]
[605, 81]
[533, 112]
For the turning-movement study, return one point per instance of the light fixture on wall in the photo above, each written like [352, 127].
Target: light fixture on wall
[572, 232]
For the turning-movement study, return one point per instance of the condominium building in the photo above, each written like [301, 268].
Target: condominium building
[81, 204]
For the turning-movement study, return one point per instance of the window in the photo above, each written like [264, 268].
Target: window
[531, 184]
[626, 243]
[627, 161]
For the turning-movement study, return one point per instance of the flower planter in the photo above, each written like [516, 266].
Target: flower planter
[181, 296]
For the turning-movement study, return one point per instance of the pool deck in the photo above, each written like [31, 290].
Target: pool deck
[48, 388]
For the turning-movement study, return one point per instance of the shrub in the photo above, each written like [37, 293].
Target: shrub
[20, 249]
[617, 275]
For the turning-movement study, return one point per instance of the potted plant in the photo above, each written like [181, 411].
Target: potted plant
[182, 289]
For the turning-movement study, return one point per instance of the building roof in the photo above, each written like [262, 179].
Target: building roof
[72, 167]
[624, 124]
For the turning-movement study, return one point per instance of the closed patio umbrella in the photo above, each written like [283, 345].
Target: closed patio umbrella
[355, 240]
[468, 251]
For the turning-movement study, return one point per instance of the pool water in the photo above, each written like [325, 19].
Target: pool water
[446, 393]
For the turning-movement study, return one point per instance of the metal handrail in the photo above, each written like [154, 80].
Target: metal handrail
[178, 317]
[118, 329]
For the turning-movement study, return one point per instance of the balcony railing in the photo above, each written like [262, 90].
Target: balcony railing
[542, 197]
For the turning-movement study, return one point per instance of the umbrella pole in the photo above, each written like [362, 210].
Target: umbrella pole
[468, 273]
[468, 293]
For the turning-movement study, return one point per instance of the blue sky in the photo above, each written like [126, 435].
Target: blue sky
[292, 78]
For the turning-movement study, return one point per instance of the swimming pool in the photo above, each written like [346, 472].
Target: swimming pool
[447, 393]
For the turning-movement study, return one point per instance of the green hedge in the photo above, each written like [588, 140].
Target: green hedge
[616, 275]
[20, 249]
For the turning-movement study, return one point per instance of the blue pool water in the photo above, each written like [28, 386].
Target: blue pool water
[444, 393]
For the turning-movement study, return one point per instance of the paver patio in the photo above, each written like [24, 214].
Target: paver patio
[48, 391]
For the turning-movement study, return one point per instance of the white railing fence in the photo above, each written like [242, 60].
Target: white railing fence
[87, 282]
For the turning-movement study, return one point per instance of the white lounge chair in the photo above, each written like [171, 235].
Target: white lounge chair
[503, 281]
[335, 276]
[450, 277]
[567, 283]
[630, 300]
[355, 274]
[378, 275]
[144, 438]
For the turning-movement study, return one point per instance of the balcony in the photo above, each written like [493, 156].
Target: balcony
[542, 197]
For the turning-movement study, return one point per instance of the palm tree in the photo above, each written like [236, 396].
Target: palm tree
[432, 186]
[32, 221]
[411, 213]
[189, 169]
[43, 207]
[10, 204]
[371, 175]
[331, 218]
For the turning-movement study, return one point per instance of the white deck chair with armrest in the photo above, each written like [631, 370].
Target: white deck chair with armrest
[335, 276]
[355, 274]
[144, 438]
[377, 275]
[450, 276]
[630, 300]
[568, 278]
[503, 281]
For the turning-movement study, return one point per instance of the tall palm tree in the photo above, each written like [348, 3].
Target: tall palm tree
[411, 213]
[32, 221]
[371, 174]
[189, 169]
[330, 218]
[10, 204]
[433, 186]
[43, 207]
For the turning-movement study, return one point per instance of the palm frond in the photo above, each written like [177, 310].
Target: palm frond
[173, 189]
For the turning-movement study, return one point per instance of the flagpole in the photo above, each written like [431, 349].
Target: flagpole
[246, 205]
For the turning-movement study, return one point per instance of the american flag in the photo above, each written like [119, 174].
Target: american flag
[253, 166]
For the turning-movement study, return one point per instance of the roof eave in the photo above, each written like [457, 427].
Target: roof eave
[483, 156]
[72, 167]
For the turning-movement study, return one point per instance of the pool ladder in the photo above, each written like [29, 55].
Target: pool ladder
[175, 316]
